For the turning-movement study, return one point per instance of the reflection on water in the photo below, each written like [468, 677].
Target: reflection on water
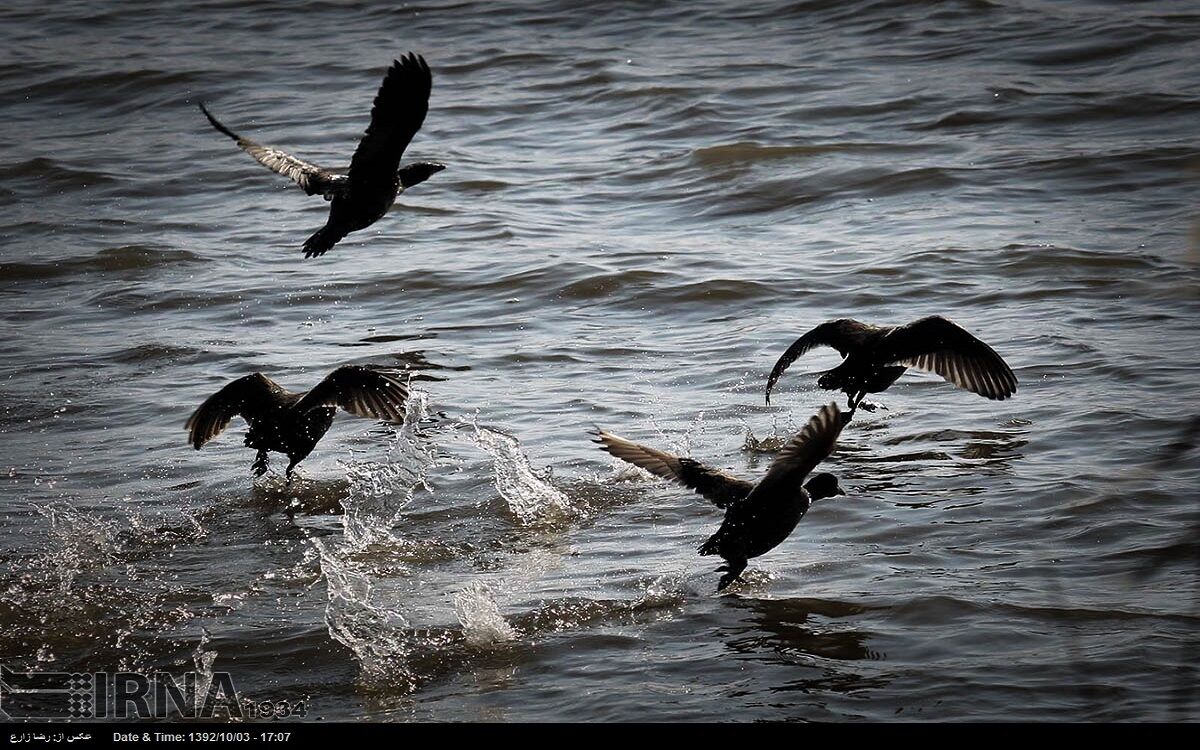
[797, 628]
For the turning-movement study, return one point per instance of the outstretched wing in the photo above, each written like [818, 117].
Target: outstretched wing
[809, 447]
[845, 335]
[363, 390]
[245, 397]
[315, 180]
[716, 486]
[937, 345]
[396, 116]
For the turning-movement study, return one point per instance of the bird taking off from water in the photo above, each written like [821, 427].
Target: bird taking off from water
[874, 357]
[293, 423]
[361, 195]
[758, 517]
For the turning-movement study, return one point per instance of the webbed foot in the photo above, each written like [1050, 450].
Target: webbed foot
[733, 571]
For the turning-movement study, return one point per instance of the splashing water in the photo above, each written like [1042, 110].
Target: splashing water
[204, 660]
[531, 498]
[479, 614]
[380, 490]
[376, 635]
[767, 444]
[667, 590]
[78, 540]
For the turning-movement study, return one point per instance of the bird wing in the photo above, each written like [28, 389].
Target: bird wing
[315, 180]
[716, 486]
[244, 396]
[845, 335]
[809, 447]
[937, 345]
[396, 116]
[363, 390]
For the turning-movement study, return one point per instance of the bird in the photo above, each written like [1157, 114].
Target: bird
[293, 423]
[758, 517]
[874, 357]
[361, 195]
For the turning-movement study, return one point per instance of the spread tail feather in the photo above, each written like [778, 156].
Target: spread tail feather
[323, 240]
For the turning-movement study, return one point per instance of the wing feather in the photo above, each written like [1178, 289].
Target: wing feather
[396, 116]
[243, 397]
[809, 447]
[719, 488]
[313, 179]
[937, 345]
[363, 390]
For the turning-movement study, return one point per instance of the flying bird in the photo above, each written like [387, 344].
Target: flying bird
[758, 517]
[293, 423]
[361, 195]
[874, 357]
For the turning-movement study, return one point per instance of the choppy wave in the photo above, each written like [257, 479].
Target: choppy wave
[109, 260]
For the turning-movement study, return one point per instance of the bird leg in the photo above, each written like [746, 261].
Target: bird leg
[259, 467]
[856, 400]
[733, 569]
[853, 399]
[291, 469]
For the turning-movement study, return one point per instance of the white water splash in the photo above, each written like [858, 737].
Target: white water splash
[480, 617]
[769, 444]
[378, 635]
[531, 498]
[667, 590]
[380, 490]
[204, 660]
[78, 541]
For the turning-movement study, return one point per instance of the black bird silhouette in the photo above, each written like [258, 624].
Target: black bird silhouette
[758, 517]
[293, 423]
[363, 194]
[876, 356]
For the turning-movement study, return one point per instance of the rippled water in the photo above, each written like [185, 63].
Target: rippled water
[644, 204]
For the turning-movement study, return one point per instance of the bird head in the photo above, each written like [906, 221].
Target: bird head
[418, 172]
[822, 486]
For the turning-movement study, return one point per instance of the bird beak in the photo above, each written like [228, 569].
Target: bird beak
[841, 491]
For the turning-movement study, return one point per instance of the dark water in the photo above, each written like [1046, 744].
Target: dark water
[643, 206]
